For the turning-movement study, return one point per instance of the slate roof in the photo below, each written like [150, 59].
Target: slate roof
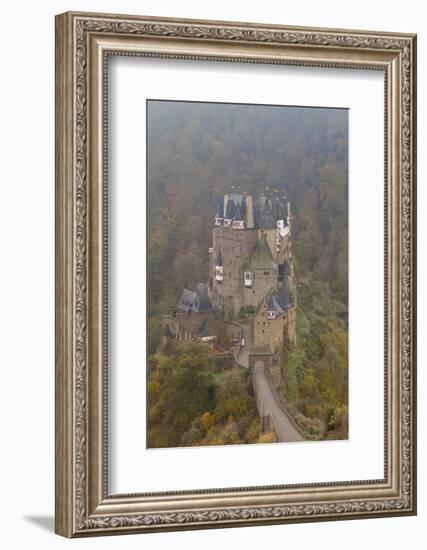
[284, 270]
[278, 300]
[256, 215]
[202, 302]
[219, 211]
[187, 300]
[261, 257]
[284, 295]
[238, 214]
[267, 219]
[197, 302]
[229, 211]
[273, 304]
[237, 198]
[266, 209]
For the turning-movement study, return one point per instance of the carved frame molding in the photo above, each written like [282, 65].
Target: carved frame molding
[83, 42]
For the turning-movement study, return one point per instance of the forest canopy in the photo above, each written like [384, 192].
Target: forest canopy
[199, 151]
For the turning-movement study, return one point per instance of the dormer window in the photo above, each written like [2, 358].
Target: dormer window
[219, 273]
[248, 278]
[238, 224]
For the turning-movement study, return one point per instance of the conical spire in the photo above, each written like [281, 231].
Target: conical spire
[219, 211]
[284, 295]
[261, 257]
[230, 209]
[273, 304]
[238, 214]
[267, 218]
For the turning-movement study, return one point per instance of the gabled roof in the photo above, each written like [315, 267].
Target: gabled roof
[187, 300]
[229, 211]
[284, 270]
[273, 304]
[238, 214]
[284, 295]
[197, 302]
[279, 208]
[237, 198]
[256, 215]
[202, 302]
[261, 257]
[267, 219]
[219, 211]
[266, 207]
[260, 211]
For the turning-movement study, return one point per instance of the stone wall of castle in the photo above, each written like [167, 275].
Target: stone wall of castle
[263, 281]
[230, 295]
[268, 332]
[235, 246]
[291, 325]
[251, 236]
[273, 332]
[189, 324]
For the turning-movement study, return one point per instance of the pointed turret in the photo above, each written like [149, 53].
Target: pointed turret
[229, 213]
[274, 309]
[202, 302]
[219, 212]
[284, 295]
[261, 257]
[267, 219]
[238, 219]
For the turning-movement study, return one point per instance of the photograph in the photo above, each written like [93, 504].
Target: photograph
[235, 271]
[247, 273]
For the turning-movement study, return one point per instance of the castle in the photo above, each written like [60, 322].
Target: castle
[251, 278]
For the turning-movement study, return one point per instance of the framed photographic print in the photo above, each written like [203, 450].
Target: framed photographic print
[235, 274]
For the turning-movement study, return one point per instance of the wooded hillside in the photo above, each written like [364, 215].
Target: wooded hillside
[197, 152]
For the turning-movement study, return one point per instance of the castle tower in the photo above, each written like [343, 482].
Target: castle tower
[251, 241]
[251, 275]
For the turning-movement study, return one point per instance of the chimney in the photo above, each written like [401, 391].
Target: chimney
[250, 224]
[225, 203]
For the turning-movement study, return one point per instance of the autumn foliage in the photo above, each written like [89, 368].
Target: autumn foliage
[191, 402]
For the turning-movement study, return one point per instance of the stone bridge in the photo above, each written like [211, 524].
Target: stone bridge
[273, 415]
[269, 407]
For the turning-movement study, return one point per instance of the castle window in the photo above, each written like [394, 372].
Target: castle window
[248, 278]
[266, 273]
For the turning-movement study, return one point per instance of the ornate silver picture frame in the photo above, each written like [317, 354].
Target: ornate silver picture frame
[84, 43]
